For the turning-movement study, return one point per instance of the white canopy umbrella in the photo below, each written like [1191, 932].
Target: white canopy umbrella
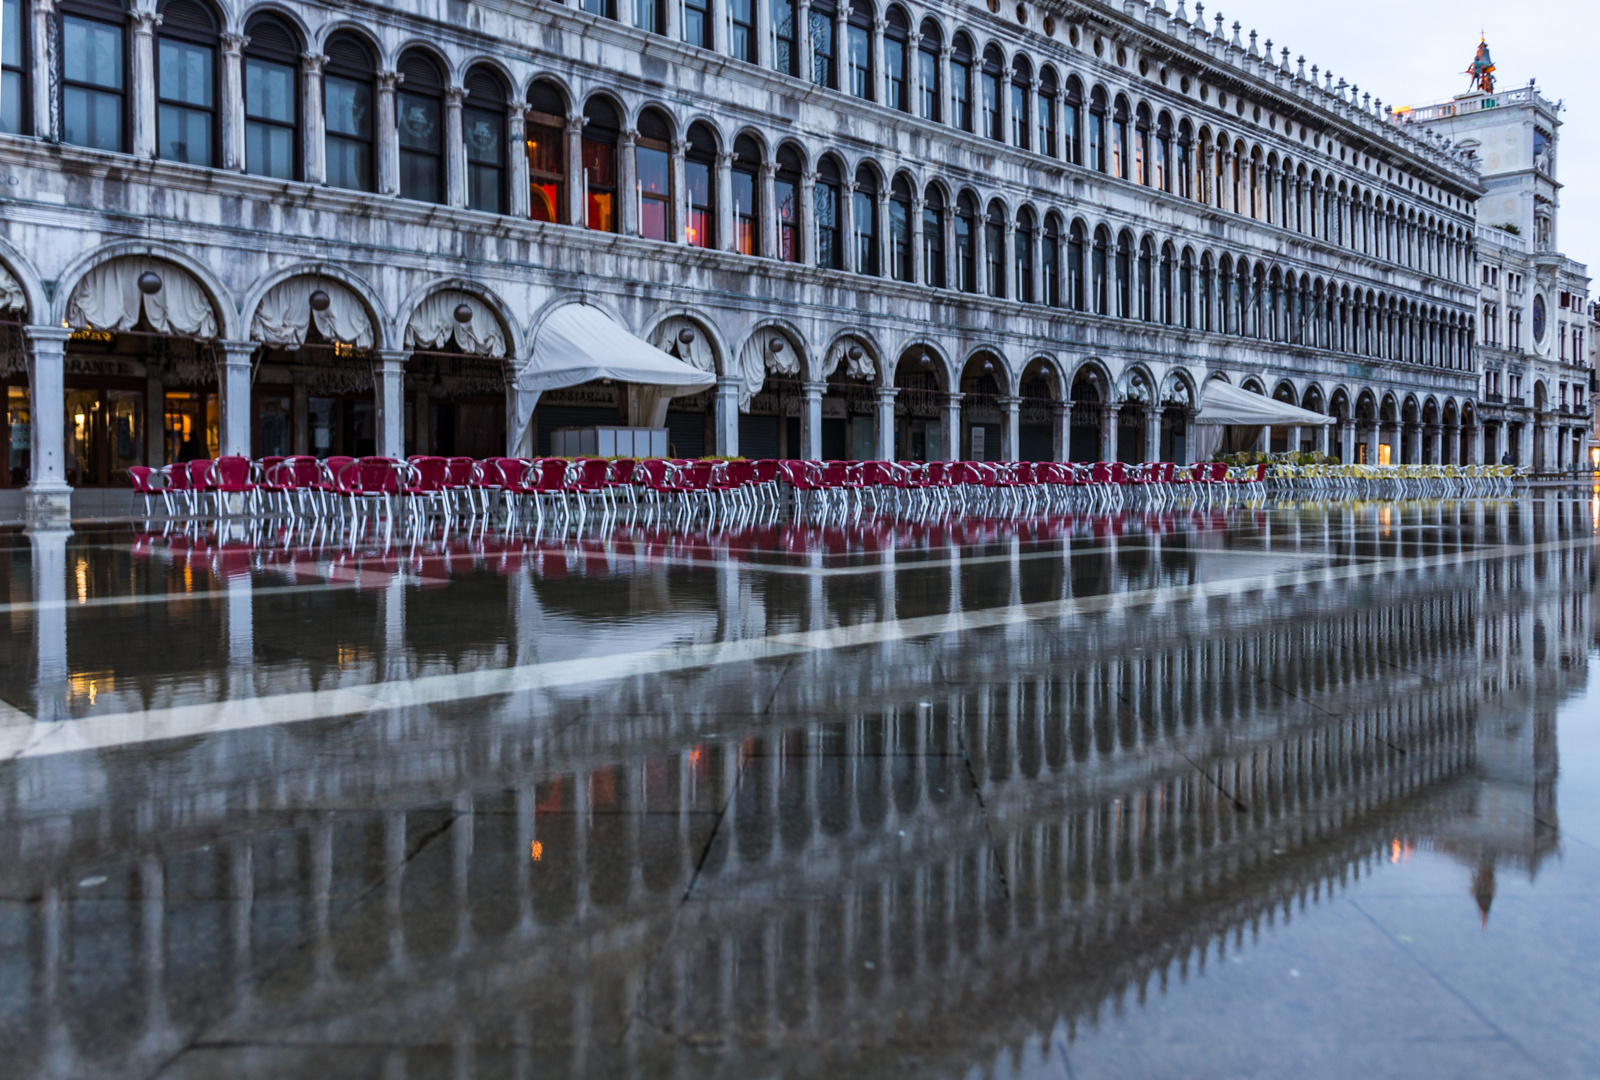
[1225, 405]
[579, 343]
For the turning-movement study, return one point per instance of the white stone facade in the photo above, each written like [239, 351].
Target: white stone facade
[1186, 155]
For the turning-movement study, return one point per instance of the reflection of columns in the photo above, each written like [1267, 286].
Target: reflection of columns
[388, 134]
[394, 628]
[242, 890]
[233, 378]
[1010, 433]
[884, 444]
[313, 148]
[455, 148]
[394, 876]
[391, 402]
[811, 422]
[727, 417]
[142, 75]
[49, 557]
[577, 197]
[952, 427]
[241, 624]
[47, 484]
[1060, 431]
[153, 904]
[233, 101]
[1110, 416]
[517, 141]
[1152, 433]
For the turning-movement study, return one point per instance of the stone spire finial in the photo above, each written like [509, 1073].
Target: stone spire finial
[1200, 15]
[1219, 27]
[1301, 74]
[1285, 64]
[1313, 75]
[1254, 50]
[1182, 14]
[1237, 26]
[1366, 102]
[1327, 80]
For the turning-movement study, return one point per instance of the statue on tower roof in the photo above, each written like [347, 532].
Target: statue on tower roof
[1482, 69]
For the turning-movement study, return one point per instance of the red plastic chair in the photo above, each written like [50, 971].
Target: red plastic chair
[145, 481]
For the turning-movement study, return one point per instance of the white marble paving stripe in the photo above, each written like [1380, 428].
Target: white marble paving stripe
[152, 725]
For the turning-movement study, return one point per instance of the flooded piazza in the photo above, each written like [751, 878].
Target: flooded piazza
[1261, 790]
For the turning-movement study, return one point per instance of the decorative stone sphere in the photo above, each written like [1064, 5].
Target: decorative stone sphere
[463, 313]
[320, 300]
[775, 345]
[149, 282]
[686, 336]
[855, 352]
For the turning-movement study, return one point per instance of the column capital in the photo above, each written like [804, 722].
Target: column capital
[1009, 401]
[388, 80]
[575, 125]
[386, 357]
[725, 158]
[625, 137]
[954, 398]
[233, 44]
[680, 147]
[769, 169]
[813, 389]
[312, 62]
[144, 22]
[235, 352]
[48, 336]
[455, 95]
[885, 394]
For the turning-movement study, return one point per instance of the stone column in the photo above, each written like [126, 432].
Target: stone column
[233, 101]
[722, 179]
[389, 375]
[1011, 433]
[947, 223]
[980, 252]
[811, 421]
[233, 379]
[628, 192]
[808, 222]
[761, 27]
[1110, 416]
[718, 14]
[919, 273]
[841, 48]
[676, 227]
[802, 40]
[847, 209]
[1008, 262]
[389, 134]
[1152, 434]
[1060, 431]
[47, 491]
[455, 148]
[314, 147]
[952, 427]
[42, 53]
[577, 197]
[883, 445]
[767, 221]
[517, 146]
[878, 85]
[1451, 449]
[727, 417]
[142, 75]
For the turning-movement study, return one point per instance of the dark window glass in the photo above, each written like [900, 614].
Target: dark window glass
[961, 89]
[894, 58]
[787, 194]
[600, 181]
[1075, 289]
[546, 148]
[91, 78]
[783, 51]
[933, 245]
[1050, 267]
[601, 8]
[825, 198]
[697, 22]
[1097, 140]
[1019, 115]
[1071, 143]
[1024, 265]
[742, 30]
[421, 127]
[994, 245]
[746, 238]
[348, 116]
[927, 84]
[655, 189]
[990, 86]
[13, 79]
[1097, 275]
[185, 81]
[1045, 115]
[860, 46]
[821, 46]
[866, 222]
[697, 176]
[485, 133]
[966, 266]
[647, 16]
[269, 118]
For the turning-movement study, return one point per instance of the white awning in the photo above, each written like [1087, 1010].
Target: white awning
[1224, 403]
[579, 343]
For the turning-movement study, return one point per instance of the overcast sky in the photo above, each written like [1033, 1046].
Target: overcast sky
[1415, 52]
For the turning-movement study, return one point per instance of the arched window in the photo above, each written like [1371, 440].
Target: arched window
[825, 198]
[1207, 293]
[600, 131]
[746, 177]
[928, 71]
[785, 54]
[864, 212]
[186, 83]
[1143, 163]
[821, 33]
[1163, 179]
[1121, 153]
[933, 237]
[483, 129]
[858, 49]
[1022, 264]
[1021, 95]
[1072, 122]
[1186, 289]
[1098, 287]
[14, 111]
[653, 164]
[989, 93]
[1097, 130]
[786, 199]
[742, 30]
[1077, 239]
[900, 230]
[347, 112]
[1050, 261]
[896, 36]
[271, 99]
[697, 23]
[1045, 113]
[419, 116]
[1147, 256]
[966, 243]
[1124, 274]
[94, 102]
[994, 250]
[699, 165]
[1185, 163]
[544, 131]
[1164, 278]
[649, 16]
[961, 83]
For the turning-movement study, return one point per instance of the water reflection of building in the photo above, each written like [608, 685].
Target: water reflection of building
[1155, 784]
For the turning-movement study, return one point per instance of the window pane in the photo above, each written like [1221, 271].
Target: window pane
[900, 241]
[269, 150]
[644, 16]
[860, 60]
[484, 132]
[696, 23]
[894, 53]
[821, 47]
[744, 204]
[91, 118]
[654, 168]
[419, 176]
[784, 192]
[185, 72]
[483, 188]
[866, 233]
[348, 163]
[599, 163]
[91, 52]
[268, 90]
[348, 107]
[11, 34]
[782, 14]
[184, 135]
[419, 122]
[991, 106]
[825, 199]
[927, 82]
[697, 175]
[11, 102]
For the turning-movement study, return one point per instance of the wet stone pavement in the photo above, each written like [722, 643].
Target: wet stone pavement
[1303, 790]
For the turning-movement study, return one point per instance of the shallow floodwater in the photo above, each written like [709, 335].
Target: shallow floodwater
[1302, 790]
